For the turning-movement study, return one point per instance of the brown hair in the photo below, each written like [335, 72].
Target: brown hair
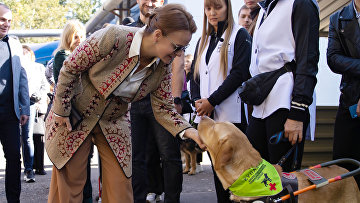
[170, 18]
[242, 7]
[208, 29]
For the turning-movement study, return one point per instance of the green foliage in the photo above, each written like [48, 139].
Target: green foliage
[49, 14]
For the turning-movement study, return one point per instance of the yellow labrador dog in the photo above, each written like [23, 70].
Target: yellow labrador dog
[232, 155]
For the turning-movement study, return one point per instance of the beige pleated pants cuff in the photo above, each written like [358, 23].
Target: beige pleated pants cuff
[67, 184]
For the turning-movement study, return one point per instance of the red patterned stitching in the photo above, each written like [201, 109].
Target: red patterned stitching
[92, 105]
[65, 100]
[83, 56]
[73, 141]
[165, 85]
[118, 72]
[165, 94]
[130, 38]
[116, 109]
[120, 144]
[115, 48]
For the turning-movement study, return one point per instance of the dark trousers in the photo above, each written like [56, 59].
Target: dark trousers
[10, 140]
[38, 152]
[260, 131]
[154, 169]
[223, 196]
[145, 131]
[347, 138]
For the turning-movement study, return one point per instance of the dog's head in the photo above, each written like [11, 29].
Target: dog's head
[230, 150]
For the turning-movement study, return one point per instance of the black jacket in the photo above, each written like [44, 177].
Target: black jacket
[343, 53]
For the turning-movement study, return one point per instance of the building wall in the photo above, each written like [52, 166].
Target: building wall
[327, 88]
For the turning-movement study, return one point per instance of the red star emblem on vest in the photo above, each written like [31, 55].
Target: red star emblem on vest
[272, 186]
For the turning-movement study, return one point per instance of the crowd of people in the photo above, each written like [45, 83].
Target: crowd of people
[122, 90]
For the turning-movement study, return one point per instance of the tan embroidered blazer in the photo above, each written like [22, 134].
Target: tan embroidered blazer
[87, 79]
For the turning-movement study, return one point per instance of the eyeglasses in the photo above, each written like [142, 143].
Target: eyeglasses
[177, 48]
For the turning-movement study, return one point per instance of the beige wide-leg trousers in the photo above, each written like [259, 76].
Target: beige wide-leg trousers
[67, 184]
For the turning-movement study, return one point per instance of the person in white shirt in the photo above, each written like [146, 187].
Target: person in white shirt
[37, 88]
[220, 65]
[286, 32]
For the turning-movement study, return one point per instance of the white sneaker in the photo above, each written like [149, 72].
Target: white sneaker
[150, 198]
[158, 198]
[199, 168]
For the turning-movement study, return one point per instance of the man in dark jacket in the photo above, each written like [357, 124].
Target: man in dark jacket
[343, 56]
[14, 104]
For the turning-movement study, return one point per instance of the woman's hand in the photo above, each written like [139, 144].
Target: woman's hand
[203, 107]
[63, 121]
[293, 130]
[23, 119]
[358, 109]
[193, 134]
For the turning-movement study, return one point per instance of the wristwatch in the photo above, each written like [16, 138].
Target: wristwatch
[177, 100]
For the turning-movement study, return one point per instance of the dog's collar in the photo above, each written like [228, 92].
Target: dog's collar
[263, 180]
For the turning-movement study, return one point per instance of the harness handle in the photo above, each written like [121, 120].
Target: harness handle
[331, 180]
[279, 137]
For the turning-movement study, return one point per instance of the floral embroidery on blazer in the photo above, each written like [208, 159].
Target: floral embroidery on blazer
[87, 79]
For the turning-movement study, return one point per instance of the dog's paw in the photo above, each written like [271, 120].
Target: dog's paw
[234, 198]
[192, 172]
[185, 171]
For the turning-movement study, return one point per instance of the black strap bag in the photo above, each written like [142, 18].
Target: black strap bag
[186, 102]
[255, 90]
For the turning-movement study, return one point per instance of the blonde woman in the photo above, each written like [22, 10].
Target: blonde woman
[221, 64]
[73, 34]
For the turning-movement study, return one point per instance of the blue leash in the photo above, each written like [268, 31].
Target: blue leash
[279, 137]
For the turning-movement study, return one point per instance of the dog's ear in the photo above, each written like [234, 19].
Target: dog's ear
[225, 153]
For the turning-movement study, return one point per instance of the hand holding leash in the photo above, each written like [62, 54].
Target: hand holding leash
[293, 130]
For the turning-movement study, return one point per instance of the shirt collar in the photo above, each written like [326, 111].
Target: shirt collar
[356, 12]
[222, 25]
[5, 39]
[136, 45]
[265, 4]
[140, 23]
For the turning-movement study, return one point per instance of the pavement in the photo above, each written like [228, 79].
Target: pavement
[196, 188]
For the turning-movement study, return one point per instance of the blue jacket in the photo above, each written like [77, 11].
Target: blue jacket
[20, 83]
[343, 53]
